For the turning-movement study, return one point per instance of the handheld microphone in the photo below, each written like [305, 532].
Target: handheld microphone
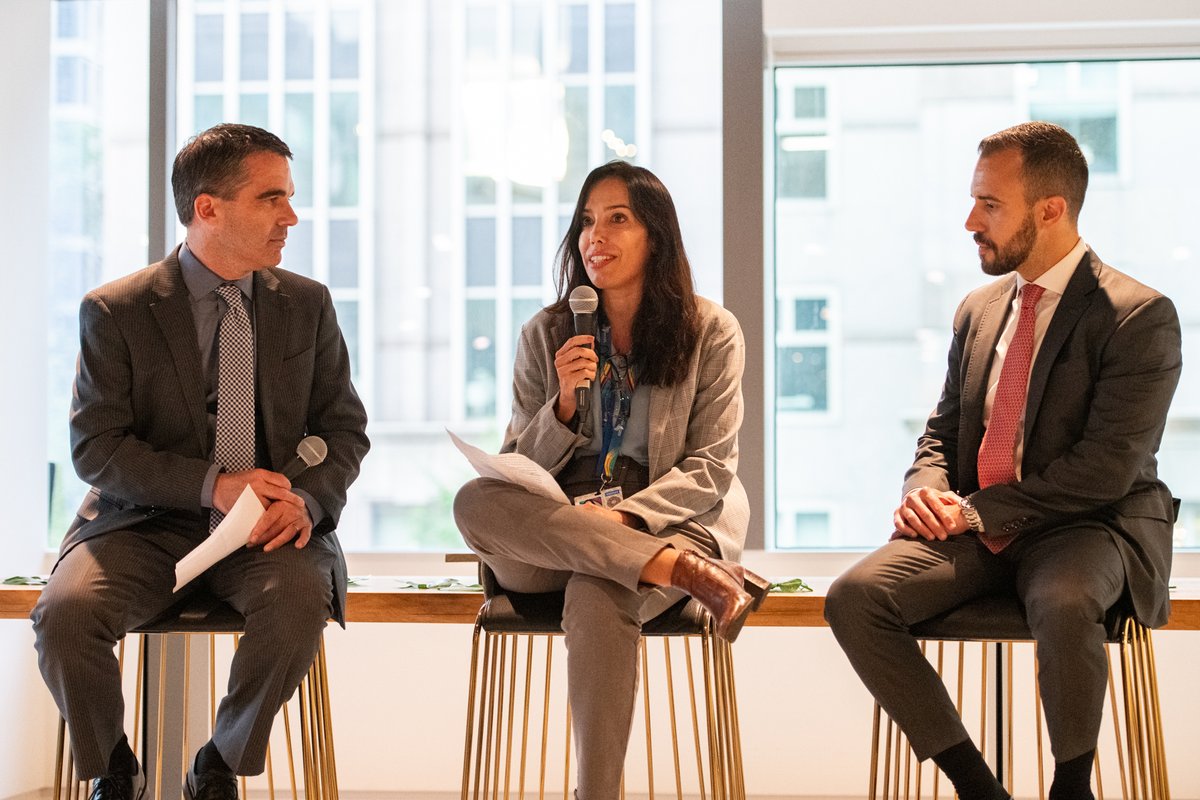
[310, 452]
[583, 302]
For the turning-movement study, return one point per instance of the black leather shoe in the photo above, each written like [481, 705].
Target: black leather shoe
[212, 784]
[120, 785]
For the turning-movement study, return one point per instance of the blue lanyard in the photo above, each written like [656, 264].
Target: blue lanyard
[617, 383]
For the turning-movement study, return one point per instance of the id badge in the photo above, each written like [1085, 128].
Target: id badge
[611, 496]
[607, 498]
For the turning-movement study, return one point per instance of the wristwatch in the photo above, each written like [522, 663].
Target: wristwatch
[971, 514]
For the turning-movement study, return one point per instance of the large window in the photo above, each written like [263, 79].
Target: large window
[97, 231]
[439, 149]
[871, 257]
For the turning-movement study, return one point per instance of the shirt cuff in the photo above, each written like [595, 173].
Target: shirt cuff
[314, 508]
[206, 489]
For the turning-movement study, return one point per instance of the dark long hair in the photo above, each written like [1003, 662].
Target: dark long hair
[666, 328]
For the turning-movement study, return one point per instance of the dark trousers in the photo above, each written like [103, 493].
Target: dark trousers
[1067, 580]
[112, 583]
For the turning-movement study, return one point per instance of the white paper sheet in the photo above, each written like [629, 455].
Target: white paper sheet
[512, 467]
[232, 533]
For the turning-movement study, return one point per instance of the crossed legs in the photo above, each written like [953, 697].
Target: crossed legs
[537, 545]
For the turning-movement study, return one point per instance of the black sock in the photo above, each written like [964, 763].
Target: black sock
[122, 760]
[1073, 779]
[209, 760]
[966, 769]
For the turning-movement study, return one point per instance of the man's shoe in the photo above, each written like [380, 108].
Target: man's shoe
[120, 785]
[212, 784]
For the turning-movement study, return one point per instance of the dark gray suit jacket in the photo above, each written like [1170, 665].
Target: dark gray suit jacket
[1099, 391]
[139, 425]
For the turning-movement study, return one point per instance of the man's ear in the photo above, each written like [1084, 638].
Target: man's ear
[1053, 209]
[204, 207]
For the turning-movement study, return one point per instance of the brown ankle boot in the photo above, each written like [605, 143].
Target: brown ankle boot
[710, 583]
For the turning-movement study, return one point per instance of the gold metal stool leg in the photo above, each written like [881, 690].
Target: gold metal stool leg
[499, 690]
[1136, 720]
[320, 770]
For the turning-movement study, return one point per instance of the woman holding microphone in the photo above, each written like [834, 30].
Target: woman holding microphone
[639, 424]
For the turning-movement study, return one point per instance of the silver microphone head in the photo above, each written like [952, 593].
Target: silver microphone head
[312, 450]
[583, 300]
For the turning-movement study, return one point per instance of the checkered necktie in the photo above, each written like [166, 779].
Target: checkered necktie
[234, 449]
[998, 450]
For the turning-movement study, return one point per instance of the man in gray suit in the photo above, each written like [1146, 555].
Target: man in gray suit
[147, 416]
[1036, 480]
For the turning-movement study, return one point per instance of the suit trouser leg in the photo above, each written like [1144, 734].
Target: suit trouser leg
[286, 597]
[99, 590]
[871, 606]
[519, 536]
[1068, 579]
[502, 521]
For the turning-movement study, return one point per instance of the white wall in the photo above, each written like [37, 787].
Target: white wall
[26, 738]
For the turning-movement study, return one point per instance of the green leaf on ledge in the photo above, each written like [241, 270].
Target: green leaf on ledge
[790, 586]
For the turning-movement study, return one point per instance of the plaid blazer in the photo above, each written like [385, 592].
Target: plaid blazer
[693, 433]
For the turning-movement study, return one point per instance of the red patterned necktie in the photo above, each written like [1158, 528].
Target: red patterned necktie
[234, 448]
[998, 450]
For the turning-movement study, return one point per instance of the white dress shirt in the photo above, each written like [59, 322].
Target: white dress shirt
[1054, 281]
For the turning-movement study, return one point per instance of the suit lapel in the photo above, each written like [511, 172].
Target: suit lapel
[1074, 302]
[660, 413]
[173, 313]
[983, 349]
[271, 314]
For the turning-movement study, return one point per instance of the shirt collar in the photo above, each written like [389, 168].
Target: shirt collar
[1057, 277]
[202, 281]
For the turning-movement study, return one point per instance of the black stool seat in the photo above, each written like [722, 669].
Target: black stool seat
[513, 612]
[999, 618]
[517, 612]
[198, 613]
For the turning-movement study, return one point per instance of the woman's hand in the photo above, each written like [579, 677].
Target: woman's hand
[575, 362]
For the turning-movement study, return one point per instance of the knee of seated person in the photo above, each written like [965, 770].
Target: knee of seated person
[598, 602]
[64, 614]
[1059, 606]
[470, 508]
[298, 599]
[848, 598]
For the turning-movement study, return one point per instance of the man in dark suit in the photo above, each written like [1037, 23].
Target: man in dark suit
[154, 416]
[1039, 480]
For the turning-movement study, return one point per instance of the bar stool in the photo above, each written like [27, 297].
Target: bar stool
[204, 619]
[997, 624]
[512, 659]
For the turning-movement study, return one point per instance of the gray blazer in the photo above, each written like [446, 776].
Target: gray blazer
[693, 429]
[139, 426]
[1099, 391]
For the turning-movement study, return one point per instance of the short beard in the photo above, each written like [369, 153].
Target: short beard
[1013, 254]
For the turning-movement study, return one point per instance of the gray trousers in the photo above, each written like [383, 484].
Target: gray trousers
[109, 585]
[537, 545]
[1067, 580]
